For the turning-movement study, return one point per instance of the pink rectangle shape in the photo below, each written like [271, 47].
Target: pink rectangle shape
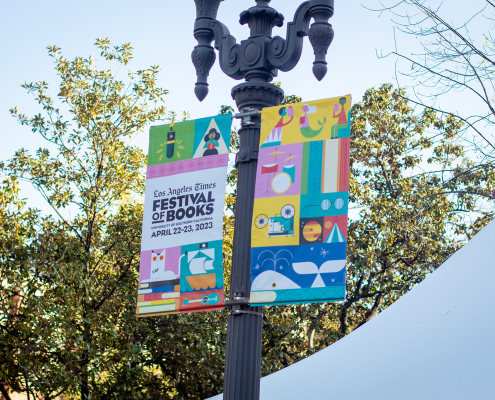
[193, 164]
[345, 147]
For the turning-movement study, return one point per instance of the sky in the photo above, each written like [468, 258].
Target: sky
[161, 32]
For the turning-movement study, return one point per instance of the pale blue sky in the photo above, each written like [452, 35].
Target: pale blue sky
[161, 33]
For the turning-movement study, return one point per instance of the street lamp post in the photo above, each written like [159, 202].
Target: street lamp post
[257, 60]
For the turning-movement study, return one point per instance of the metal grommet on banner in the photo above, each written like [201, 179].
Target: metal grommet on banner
[246, 154]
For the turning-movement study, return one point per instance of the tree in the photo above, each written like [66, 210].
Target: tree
[67, 319]
[17, 228]
[67, 294]
[74, 276]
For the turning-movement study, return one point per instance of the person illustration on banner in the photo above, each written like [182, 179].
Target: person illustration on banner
[277, 130]
[274, 138]
[211, 139]
[303, 120]
[304, 126]
[342, 118]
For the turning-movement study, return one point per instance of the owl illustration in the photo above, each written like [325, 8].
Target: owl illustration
[158, 267]
[157, 264]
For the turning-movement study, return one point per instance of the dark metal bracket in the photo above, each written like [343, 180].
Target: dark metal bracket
[246, 154]
[236, 304]
[246, 115]
[238, 312]
[238, 301]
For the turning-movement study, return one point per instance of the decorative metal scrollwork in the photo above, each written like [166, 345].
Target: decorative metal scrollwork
[260, 57]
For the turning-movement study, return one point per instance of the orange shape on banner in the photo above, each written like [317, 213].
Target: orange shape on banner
[312, 231]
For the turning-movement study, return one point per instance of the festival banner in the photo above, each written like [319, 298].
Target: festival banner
[181, 268]
[299, 230]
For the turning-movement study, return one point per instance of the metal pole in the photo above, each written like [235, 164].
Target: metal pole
[258, 60]
[243, 352]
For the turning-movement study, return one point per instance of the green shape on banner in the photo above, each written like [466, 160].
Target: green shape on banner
[171, 142]
[305, 167]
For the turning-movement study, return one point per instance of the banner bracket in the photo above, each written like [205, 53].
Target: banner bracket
[237, 312]
[246, 154]
[235, 306]
[238, 301]
[246, 115]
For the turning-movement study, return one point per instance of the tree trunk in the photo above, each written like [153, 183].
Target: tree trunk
[311, 337]
[4, 392]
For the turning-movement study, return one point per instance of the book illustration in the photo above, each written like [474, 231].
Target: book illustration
[211, 142]
[148, 284]
[160, 289]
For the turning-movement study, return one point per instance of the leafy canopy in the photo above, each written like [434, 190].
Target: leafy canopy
[68, 279]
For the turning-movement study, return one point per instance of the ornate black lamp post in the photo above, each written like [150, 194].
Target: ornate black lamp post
[257, 60]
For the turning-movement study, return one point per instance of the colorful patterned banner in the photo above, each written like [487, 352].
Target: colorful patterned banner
[299, 232]
[181, 266]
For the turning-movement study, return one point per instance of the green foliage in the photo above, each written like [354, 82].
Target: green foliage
[68, 280]
[17, 230]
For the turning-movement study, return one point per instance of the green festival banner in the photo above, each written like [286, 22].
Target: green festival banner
[181, 267]
[299, 231]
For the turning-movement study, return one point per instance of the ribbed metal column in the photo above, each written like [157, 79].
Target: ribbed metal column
[257, 60]
[244, 334]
